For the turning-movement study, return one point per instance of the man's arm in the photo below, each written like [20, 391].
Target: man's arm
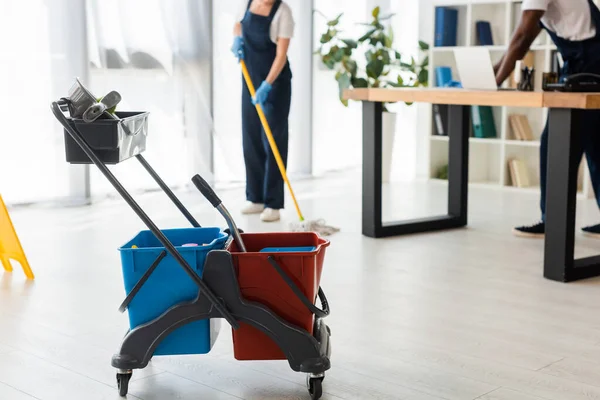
[528, 30]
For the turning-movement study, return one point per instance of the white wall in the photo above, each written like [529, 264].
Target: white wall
[337, 134]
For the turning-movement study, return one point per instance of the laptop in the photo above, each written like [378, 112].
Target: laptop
[475, 68]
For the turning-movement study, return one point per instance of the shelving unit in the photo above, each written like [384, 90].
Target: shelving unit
[489, 157]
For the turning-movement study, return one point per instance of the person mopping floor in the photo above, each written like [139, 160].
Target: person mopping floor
[262, 39]
[574, 26]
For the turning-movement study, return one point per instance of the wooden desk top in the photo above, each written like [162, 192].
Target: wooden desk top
[478, 97]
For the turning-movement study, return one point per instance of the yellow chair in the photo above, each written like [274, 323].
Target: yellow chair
[10, 246]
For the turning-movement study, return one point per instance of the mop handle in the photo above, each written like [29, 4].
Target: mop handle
[270, 138]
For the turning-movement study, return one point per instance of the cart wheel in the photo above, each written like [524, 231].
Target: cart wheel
[315, 387]
[123, 383]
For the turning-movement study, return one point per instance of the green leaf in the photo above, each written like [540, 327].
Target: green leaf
[398, 55]
[367, 35]
[350, 43]
[425, 62]
[326, 37]
[400, 81]
[344, 83]
[350, 66]
[336, 21]
[328, 61]
[337, 53]
[389, 39]
[385, 57]
[360, 83]
[423, 76]
[423, 46]
[376, 11]
[370, 55]
[375, 68]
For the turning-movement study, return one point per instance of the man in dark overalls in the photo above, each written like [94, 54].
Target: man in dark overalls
[262, 39]
[574, 26]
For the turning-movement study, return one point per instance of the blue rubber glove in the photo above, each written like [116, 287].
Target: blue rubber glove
[238, 47]
[262, 94]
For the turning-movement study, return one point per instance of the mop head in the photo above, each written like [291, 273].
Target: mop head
[317, 226]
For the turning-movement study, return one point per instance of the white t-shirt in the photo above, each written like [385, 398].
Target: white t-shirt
[283, 21]
[569, 19]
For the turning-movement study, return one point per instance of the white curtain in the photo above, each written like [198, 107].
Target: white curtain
[32, 166]
[156, 53]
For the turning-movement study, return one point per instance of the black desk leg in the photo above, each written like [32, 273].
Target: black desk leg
[561, 198]
[458, 169]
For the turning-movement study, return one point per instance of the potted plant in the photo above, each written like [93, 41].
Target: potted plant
[371, 61]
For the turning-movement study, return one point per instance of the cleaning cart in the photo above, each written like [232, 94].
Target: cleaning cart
[181, 282]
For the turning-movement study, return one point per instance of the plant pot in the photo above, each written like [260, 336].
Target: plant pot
[388, 133]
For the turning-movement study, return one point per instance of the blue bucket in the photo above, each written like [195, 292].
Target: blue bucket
[170, 285]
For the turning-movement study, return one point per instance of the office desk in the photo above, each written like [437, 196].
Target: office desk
[564, 116]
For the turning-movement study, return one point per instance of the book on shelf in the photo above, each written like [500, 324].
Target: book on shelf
[518, 173]
[484, 33]
[482, 119]
[446, 26]
[520, 127]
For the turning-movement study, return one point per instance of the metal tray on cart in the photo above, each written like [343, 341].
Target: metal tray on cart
[113, 140]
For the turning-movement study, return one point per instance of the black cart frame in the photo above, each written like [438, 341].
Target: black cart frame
[219, 295]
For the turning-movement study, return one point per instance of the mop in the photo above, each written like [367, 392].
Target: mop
[302, 225]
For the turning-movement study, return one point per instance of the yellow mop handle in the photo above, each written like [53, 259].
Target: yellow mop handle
[270, 138]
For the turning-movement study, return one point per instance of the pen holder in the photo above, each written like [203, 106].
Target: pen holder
[526, 83]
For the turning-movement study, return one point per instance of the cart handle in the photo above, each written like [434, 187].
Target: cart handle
[204, 289]
[315, 310]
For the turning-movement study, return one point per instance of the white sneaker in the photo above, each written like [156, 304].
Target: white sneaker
[253, 208]
[270, 215]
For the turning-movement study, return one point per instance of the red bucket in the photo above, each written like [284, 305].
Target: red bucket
[261, 283]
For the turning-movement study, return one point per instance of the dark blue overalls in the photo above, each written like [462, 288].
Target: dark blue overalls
[264, 184]
[581, 56]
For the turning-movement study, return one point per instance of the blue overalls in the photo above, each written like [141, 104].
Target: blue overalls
[581, 56]
[264, 184]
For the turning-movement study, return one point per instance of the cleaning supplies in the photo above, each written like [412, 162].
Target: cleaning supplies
[318, 226]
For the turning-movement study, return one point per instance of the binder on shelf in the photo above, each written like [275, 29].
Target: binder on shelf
[443, 75]
[446, 26]
[484, 33]
[482, 119]
[440, 119]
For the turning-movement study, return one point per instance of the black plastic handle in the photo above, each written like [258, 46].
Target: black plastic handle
[309, 304]
[206, 191]
[141, 282]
